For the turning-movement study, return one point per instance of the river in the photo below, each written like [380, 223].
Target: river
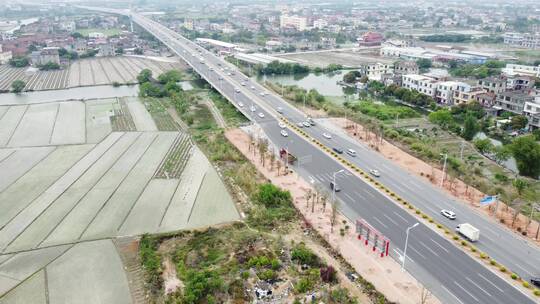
[79, 93]
[326, 84]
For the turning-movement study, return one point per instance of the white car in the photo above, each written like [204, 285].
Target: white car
[228, 74]
[243, 84]
[252, 87]
[375, 172]
[306, 124]
[284, 133]
[282, 125]
[448, 214]
[241, 105]
[252, 108]
[261, 114]
[262, 94]
[351, 152]
[279, 110]
[237, 90]
[327, 135]
[300, 124]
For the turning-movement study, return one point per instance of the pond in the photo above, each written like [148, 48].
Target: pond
[326, 84]
[79, 93]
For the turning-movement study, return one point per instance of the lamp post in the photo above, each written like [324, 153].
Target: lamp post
[444, 167]
[334, 184]
[406, 244]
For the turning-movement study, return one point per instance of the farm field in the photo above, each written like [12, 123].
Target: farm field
[74, 175]
[85, 72]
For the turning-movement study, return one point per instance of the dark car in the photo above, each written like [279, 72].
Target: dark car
[536, 281]
[338, 150]
[336, 186]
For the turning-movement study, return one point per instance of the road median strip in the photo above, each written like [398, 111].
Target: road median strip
[463, 244]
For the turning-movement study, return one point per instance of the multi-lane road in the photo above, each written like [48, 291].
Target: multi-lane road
[450, 274]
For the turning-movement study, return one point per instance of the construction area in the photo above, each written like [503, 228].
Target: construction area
[76, 178]
[350, 58]
[86, 72]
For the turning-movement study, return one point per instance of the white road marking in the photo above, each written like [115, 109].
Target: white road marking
[401, 217]
[398, 252]
[386, 167]
[369, 193]
[441, 246]
[470, 294]
[451, 294]
[350, 197]
[492, 284]
[380, 222]
[478, 286]
[521, 267]
[390, 219]
[429, 249]
[399, 188]
[417, 252]
[415, 185]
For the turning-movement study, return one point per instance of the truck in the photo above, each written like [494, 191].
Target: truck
[468, 231]
[286, 156]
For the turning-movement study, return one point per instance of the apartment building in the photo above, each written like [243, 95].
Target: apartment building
[520, 69]
[513, 101]
[466, 93]
[5, 56]
[525, 40]
[532, 111]
[374, 71]
[519, 83]
[299, 23]
[405, 67]
[46, 55]
[445, 91]
[420, 83]
[494, 85]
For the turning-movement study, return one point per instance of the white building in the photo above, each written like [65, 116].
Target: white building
[526, 40]
[445, 91]
[374, 71]
[320, 24]
[5, 56]
[423, 84]
[532, 111]
[299, 23]
[520, 69]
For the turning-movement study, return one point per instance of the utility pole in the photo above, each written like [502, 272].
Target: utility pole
[444, 168]
[334, 187]
[406, 244]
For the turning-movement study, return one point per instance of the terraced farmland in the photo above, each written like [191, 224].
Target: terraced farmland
[85, 72]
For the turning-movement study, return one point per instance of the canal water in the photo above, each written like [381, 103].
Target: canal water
[326, 84]
[510, 163]
[79, 93]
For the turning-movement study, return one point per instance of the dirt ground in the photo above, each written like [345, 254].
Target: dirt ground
[452, 186]
[383, 273]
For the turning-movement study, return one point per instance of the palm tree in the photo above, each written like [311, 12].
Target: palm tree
[278, 165]
[309, 194]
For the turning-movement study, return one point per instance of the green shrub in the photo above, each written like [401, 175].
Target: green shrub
[303, 255]
[493, 262]
[526, 284]
[537, 292]
[502, 269]
[514, 276]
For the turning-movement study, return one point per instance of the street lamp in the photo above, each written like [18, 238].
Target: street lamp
[444, 167]
[334, 184]
[406, 243]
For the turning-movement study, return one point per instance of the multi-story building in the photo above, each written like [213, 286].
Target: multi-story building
[445, 91]
[493, 85]
[5, 56]
[320, 24]
[520, 69]
[45, 55]
[532, 111]
[486, 99]
[526, 40]
[465, 93]
[519, 82]
[188, 24]
[513, 101]
[297, 22]
[405, 67]
[420, 83]
[107, 50]
[374, 71]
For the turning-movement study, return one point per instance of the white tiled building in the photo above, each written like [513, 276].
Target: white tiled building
[299, 23]
[420, 83]
[374, 71]
[445, 91]
[520, 69]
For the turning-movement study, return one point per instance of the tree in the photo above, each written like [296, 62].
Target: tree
[17, 86]
[470, 127]
[18, 62]
[423, 63]
[172, 75]
[442, 117]
[484, 146]
[138, 51]
[518, 122]
[144, 76]
[520, 185]
[501, 154]
[526, 151]
[271, 196]
[77, 35]
[351, 76]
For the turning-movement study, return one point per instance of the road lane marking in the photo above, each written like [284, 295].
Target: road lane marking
[451, 294]
[521, 267]
[398, 252]
[441, 246]
[386, 167]
[478, 286]
[417, 252]
[350, 197]
[492, 284]
[390, 219]
[380, 222]
[470, 294]
[400, 189]
[369, 193]
[401, 217]
[429, 249]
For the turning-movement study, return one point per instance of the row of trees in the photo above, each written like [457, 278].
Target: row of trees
[403, 94]
[281, 68]
[165, 86]
[490, 68]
